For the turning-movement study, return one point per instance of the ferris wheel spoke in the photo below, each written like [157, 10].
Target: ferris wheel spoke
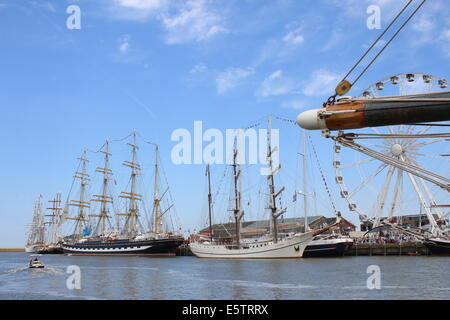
[382, 197]
[397, 187]
[428, 156]
[410, 129]
[430, 197]
[380, 168]
[365, 143]
[357, 163]
[426, 143]
[383, 147]
[376, 130]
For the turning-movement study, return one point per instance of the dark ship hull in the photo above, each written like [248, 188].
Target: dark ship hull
[438, 246]
[156, 247]
[51, 250]
[327, 248]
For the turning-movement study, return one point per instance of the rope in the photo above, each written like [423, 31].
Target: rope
[378, 39]
[332, 98]
[390, 40]
[323, 176]
[284, 119]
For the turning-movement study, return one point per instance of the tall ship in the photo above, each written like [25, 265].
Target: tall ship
[52, 243]
[36, 234]
[270, 246]
[94, 233]
[322, 245]
[438, 246]
[43, 236]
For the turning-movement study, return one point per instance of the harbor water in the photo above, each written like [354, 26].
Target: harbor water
[421, 277]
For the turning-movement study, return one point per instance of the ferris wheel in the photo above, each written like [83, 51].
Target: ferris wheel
[397, 171]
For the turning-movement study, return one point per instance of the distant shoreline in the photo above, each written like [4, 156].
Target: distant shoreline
[12, 250]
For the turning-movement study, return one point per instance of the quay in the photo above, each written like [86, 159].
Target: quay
[388, 249]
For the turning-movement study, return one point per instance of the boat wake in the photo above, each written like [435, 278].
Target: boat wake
[241, 283]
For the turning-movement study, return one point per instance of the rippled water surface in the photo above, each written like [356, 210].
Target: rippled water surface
[193, 278]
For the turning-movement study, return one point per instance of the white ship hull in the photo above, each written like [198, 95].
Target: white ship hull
[291, 247]
[30, 249]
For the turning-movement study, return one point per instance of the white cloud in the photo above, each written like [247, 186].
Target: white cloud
[296, 104]
[335, 39]
[183, 21]
[445, 35]
[283, 48]
[143, 4]
[195, 21]
[138, 10]
[294, 37]
[124, 43]
[322, 82]
[198, 68]
[276, 84]
[42, 4]
[231, 78]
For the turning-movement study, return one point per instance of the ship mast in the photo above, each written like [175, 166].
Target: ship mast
[82, 204]
[208, 173]
[103, 198]
[38, 225]
[133, 197]
[273, 195]
[305, 178]
[55, 217]
[156, 199]
[157, 213]
[238, 213]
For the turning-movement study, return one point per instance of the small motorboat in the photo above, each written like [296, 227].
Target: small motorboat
[35, 263]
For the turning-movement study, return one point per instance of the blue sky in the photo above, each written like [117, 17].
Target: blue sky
[158, 65]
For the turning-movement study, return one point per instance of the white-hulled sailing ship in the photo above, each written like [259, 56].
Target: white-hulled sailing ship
[130, 239]
[273, 246]
[53, 244]
[36, 235]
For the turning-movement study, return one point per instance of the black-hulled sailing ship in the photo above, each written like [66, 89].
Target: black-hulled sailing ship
[129, 239]
[322, 245]
[438, 246]
[53, 244]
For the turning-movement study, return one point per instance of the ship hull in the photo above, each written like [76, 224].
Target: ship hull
[323, 248]
[51, 250]
[30, 249]
[155, 248]
[438, 246]
[289, 248]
